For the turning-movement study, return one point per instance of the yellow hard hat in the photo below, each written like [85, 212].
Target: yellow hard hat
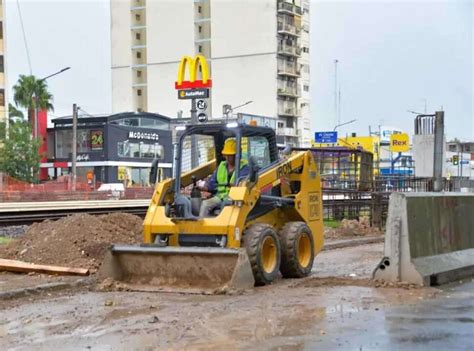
[229, 147]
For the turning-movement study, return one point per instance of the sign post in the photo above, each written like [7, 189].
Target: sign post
[325, 137]
[193, 89]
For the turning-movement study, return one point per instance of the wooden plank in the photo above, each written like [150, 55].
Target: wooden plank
[25, 267]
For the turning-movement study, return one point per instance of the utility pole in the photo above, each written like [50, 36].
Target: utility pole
[335, 92]
[74, 146]
[438, 151]
[194, 142]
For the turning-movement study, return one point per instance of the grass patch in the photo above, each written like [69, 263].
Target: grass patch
[332, 223]
[4, 240]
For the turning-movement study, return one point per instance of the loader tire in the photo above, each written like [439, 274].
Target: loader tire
[263, 248]
[297, 250]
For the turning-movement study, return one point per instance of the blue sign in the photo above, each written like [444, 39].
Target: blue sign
[325, 137]
[464, 162]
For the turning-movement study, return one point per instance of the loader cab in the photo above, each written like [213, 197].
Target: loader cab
[202, 144]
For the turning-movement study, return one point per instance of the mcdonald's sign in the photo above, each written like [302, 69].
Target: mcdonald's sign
[193, 65]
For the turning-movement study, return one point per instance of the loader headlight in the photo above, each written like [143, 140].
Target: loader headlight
[180, 128]
[232, 125]
[236, 234]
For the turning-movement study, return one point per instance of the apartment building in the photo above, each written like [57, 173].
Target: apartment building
[3, 74]
[257, 51]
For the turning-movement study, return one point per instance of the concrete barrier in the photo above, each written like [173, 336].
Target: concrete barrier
[429, 238]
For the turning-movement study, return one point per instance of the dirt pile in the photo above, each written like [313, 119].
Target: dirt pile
[351, 228]
[77, 241]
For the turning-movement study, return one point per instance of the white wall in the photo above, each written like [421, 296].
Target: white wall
[121, 34]
[423, 155]
[170, 32]
[238, 80]
[243, 27]
[162, 96]
[122, 96]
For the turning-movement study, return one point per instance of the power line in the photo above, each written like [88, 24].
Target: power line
[24, 36]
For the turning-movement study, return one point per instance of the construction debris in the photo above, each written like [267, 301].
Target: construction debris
[24, 267]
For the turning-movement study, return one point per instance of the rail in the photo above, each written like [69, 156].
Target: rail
[15, 213]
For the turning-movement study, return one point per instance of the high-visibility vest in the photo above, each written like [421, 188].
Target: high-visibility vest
[223, 182]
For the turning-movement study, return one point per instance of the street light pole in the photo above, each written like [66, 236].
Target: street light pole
[343, 124]
[36, 98]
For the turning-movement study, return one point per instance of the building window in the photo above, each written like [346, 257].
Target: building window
[200, 50]
[199, 9]
[1, 30]
[2, 97]
[2, 69]
[139, 92]
[306, 87]
[200, 29]
[137, 36]
[139, 74]
[139, 54]
[137, 17]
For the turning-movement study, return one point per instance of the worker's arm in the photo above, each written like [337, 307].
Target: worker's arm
[210, 185]
[244, 171]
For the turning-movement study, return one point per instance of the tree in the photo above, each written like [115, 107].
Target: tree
[30, 93]
[19, 156]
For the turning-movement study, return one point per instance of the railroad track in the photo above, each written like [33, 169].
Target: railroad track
[16, 213]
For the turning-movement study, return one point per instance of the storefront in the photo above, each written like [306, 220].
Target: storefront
[111, 149]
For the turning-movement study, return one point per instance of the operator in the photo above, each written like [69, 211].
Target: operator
[221, 180]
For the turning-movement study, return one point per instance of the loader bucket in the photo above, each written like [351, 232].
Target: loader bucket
[201, 270]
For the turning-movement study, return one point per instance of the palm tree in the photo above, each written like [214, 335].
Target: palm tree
[31, 93]
[14, 113]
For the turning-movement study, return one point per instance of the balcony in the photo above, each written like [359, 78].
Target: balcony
[139, 78]
[202, 32]
[288, 29]
[138, 38]
[290, 9]
[289, 50]
[137, 3]
[289, 110]
[290, 69]
[288, 89]
[138, 18]
[291, 132]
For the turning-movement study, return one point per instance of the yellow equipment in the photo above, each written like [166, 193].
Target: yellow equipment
[270, 223]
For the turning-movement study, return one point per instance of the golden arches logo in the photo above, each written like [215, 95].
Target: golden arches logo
[193, 65]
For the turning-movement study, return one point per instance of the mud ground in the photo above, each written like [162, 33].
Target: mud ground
[335, 308]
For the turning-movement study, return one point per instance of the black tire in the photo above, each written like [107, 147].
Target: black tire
[297, 250]
[260, 239]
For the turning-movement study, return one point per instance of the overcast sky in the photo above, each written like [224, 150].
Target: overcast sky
[393, 56]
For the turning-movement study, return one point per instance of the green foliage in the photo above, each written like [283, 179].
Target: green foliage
[19, 153]
[30, 92]
[13, 112]
[5, 240]
[331, 223]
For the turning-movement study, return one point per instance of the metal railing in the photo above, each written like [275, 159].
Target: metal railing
[291, 68]
[288, 28]
[286, 49]
[290, 8]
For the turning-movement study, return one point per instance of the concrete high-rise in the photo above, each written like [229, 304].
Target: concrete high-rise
[257, 51]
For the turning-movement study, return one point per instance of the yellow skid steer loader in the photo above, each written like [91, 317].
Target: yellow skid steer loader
[269, 221]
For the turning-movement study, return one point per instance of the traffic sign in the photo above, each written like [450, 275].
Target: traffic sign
[201, 105]
[202, 117]
[325, 137]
